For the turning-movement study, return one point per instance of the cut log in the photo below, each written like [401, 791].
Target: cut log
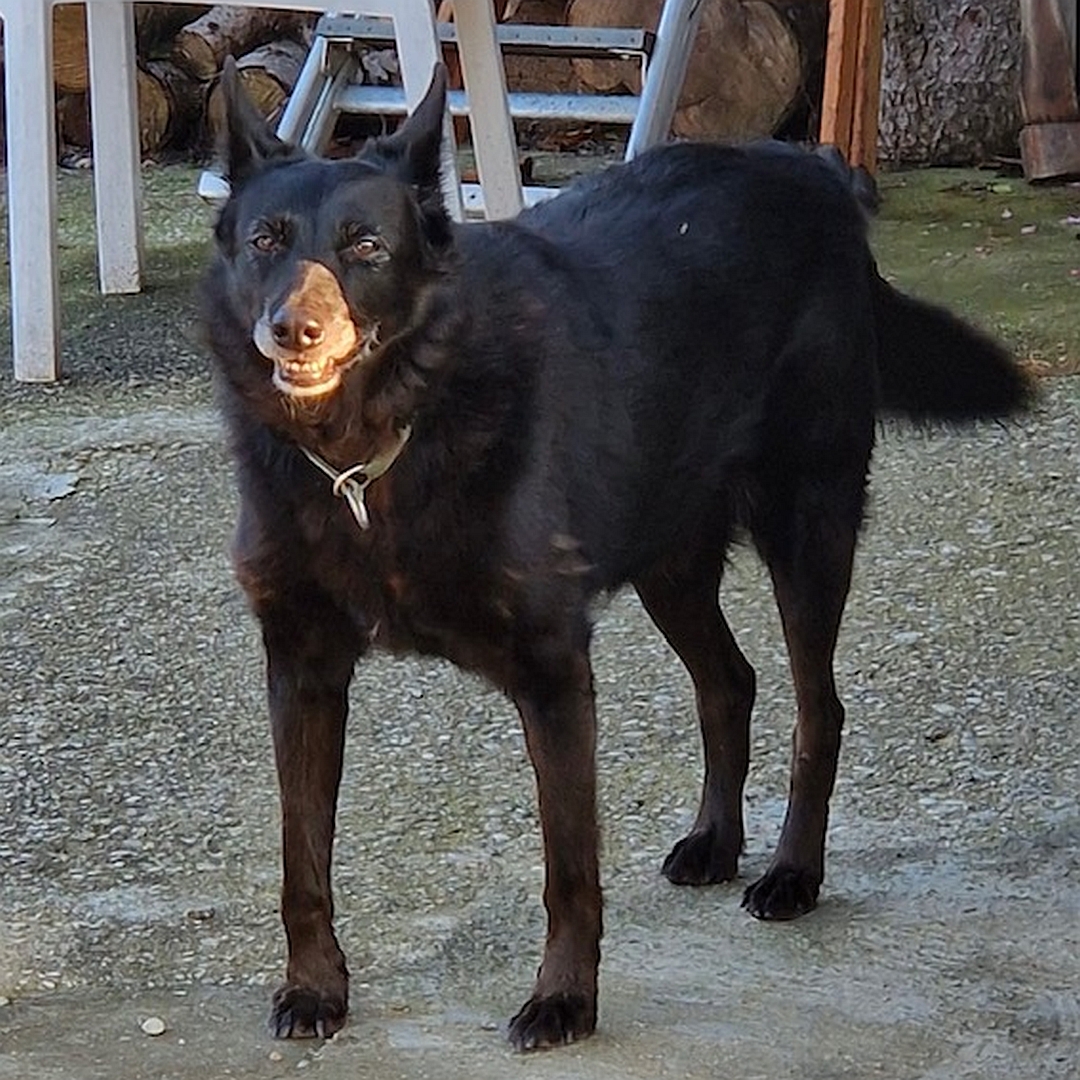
[73, 119]
[202, 45]
[155, 113]
[155, 26]
[747, 68]
[267, 74]
[170, 107]
[71, 67]
[545, 75]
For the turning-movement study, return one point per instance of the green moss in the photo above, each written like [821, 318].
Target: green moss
[1002, 252]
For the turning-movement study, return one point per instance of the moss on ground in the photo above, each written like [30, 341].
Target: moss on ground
[999, 251]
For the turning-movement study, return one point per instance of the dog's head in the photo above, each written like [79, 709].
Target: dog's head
[322, 262]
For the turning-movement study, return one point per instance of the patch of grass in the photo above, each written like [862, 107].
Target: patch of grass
[129, 340]
[999, 251]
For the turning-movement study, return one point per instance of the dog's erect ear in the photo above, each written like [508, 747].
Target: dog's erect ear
[413, 152]
[247, 141]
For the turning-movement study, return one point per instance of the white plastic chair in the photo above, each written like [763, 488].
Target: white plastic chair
[31, 142]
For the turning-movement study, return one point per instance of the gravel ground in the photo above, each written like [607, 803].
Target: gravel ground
[138, 832]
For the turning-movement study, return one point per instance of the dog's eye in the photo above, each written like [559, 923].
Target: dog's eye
[365, 247]
[265, 242]
[359, 245]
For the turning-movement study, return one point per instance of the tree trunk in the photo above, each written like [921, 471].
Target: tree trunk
[950, 81]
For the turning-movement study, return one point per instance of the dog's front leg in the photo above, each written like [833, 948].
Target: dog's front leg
[556, 706]
[310, 653]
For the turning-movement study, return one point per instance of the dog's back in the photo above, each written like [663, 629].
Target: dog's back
[682, 340]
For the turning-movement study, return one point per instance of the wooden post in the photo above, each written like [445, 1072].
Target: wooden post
[851, 95]
[1050, 138]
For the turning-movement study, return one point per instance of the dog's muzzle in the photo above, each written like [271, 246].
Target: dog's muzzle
[310, 335]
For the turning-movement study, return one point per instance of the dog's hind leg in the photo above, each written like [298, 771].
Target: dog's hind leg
[554, 694]
[310, 651]
[811, 572]
[681, 598]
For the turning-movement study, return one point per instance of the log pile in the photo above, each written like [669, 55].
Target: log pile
[754, 62]
[180, 51]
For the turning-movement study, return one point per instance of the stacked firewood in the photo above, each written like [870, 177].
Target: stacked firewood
[756, 65]
[754, 62]
[180, 51]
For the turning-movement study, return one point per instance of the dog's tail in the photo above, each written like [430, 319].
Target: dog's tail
[933, 366]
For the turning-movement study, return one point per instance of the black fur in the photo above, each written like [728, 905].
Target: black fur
[609, 390]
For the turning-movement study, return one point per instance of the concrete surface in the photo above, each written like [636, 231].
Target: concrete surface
[138, 813]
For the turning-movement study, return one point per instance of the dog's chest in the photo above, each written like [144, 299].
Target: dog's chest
[419, 585]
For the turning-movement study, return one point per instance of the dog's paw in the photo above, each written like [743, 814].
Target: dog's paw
[553, 1021]
[300, 1012]
[701, 859]
[783, 893]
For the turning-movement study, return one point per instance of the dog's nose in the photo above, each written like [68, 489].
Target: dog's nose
[296, 331]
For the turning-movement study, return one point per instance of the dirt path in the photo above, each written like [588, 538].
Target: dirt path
[138, 827]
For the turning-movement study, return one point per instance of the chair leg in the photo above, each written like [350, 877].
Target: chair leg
[31, 179]
[418, 53]
[117, 159]
[489, 114]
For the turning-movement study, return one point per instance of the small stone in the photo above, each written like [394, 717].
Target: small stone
[153, 1026]
[275, 1055]
[4, 1001]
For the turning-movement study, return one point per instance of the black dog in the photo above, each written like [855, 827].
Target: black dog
[518, 416]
